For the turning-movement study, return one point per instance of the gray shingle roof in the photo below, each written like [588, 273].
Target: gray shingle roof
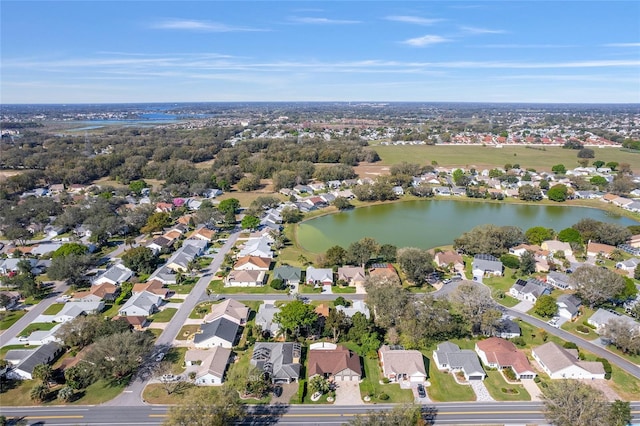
[221, 328]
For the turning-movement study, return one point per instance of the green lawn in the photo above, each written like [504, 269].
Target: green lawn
[497, 386]
[37, 326]
[176, 300]
[7, 348]
[164, 316]
[343, 290]
[186, 331]
[370, 385]
[217, 287]
[97, 393]
[486, 157]
[53, 309]
[180, 289]
[445, 389]
[9, 318]
[201, 310]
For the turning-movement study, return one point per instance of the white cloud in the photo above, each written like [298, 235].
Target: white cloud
[198, 26]
[477, 30]
[322, 21]
[525, 46]
[426, 40]
[413, 19]
[622, 45]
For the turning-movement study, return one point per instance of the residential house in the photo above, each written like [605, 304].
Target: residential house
[399, 364]
[12, 299]
[597, 249]
[554, 246]
[229, 309]
[602, 316]
[449, 356]
[264, 318]
[159, 244]
[521, 249]
[105, 291]
[248, 278]
[500, 353]
[181, 259]
[73, 309]
[10, 265]
[144, 303]
[442, 190]
[352, 275]
[153, 286]
[333, 362]
[252, 263]
[356, 306]
[559, 280]
[138, 323]
[288, 274]
[319, 276]
[385, 270]
[485, 264]
[561, 363]
[280, 361]
[204, 234]
[508, 329]
[259, 247]
[628, 265]
[529, 290]
[210, 364]
[24, 361]
[450, 258]
[219, 332]
[568, 306]
[42, 337]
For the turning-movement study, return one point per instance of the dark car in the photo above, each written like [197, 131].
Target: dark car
[277, 391]
[421, 392]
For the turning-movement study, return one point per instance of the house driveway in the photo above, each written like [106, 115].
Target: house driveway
[482, 394]
[288, 391]
[532, 388]
[523, 306]
[348, 393]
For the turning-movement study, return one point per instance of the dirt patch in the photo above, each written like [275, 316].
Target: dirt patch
[602, 385]
[4, 174]
[371, 169]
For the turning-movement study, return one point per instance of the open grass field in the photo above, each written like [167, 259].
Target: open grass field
[487, 157]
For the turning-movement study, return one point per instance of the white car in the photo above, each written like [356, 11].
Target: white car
[160, 357]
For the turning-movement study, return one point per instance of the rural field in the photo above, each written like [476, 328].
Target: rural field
[487, 156]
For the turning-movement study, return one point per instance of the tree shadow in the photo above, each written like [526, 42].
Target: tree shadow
[265, 414]
[429, 414]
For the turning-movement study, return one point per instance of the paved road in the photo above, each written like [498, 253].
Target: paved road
[132, 395]
[32, 314]
[441, 413]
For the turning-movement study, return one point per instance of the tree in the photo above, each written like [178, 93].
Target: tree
[335, 256]
[70, 248]
[291, 215]
[156, 223]
[613, 165]
[538, 234]
[39, 392]
[257, 383]
[388, 253]
[360, 252]
[490, 322]
[598, 163]
[117, 356]
[341, 203]
[416, 264]
[557, 193]
[489, 239]
[472, 301]
[207, 407]
[250, 222]
[510, 261]
[620, 413]
[296, 316]
[249, 183]
[407, 415]
[545, 306]
[569, 403]
[599, 181]
[137, 186]
[66, 393]
[570, 235]
[586, 153]
[527, 263]
[336, 323]
[229, 205]
[43, 372]
[278, 284]
[529, 193]
[318, 384]
[387, 298]
[79, 376]
[71, 268]
[625, 338]
[636, 272]
[559, 169]
[141, 260]
[597, 285]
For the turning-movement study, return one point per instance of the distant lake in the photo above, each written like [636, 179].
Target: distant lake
[433, 223]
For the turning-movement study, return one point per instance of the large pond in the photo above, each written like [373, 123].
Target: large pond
[432, 223]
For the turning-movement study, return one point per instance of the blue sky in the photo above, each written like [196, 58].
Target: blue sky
[220, 51]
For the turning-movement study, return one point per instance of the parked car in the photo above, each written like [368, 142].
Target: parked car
[446, 281]
[160, 356]
[421, 392]
[277, 391]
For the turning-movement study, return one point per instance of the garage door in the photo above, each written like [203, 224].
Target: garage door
[475, 377]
